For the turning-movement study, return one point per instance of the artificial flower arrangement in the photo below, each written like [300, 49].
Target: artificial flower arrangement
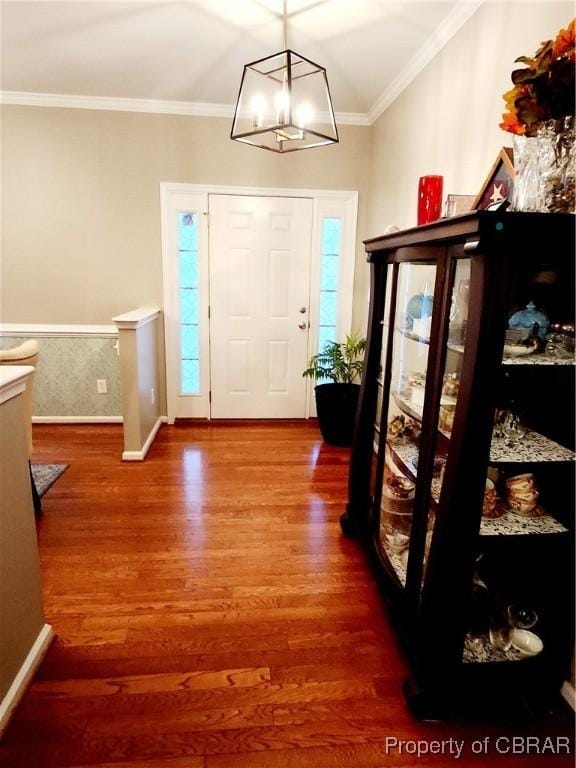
[544, 89]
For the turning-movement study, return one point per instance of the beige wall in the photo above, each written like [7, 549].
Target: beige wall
[81, 209]
[21, 612]
[447, 120]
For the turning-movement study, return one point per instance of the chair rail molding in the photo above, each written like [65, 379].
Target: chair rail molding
[54, 330]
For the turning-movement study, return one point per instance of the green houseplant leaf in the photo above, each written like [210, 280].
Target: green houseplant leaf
[339, 363]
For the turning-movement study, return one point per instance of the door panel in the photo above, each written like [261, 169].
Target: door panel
[260, 253]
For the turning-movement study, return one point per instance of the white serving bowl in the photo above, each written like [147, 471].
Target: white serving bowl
[526, 642]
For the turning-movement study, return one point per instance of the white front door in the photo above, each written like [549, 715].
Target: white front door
[260, 254]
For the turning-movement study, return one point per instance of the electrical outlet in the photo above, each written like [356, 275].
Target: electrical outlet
[101, 386]
[152, 396]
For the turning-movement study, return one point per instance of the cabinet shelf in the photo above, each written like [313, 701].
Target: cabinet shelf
[415, 412]
[479, 650]
[407, 455]
[537, 359]
[411, 335]
[408, 408]
[398, 566]
[513, 525]
[459, 348]
[534, 360]
[507, 525]
[532, 448]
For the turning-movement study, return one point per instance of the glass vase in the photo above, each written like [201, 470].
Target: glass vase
[527, 190]
[429, 198]
[544, 166]
[557, 165]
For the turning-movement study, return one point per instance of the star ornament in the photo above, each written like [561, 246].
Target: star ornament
[497, 193]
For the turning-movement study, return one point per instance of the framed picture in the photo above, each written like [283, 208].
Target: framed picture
[457, 204]
[498, 185]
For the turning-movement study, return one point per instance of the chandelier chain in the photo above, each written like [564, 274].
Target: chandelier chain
[285, 23]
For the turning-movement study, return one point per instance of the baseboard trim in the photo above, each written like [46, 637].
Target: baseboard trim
[141, 455]
[77, 419]
[569, 694]
[25, 675]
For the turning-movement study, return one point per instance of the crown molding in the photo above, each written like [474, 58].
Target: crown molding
[351, 118]
[433, 45]
[114, 104]
[150, 106]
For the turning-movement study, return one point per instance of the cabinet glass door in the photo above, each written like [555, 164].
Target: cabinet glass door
[456, 343]
[411, 336]
[380, 383]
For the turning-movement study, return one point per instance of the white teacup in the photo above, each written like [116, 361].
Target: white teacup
[523, 495]
[523, 482]
[522, 507]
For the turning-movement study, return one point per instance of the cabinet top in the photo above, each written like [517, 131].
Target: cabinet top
[487, 229]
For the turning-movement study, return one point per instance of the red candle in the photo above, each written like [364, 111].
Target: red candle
[429, 198]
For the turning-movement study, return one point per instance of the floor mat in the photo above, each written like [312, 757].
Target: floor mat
[45, 475]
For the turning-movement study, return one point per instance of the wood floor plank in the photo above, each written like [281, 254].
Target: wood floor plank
[177, 701]
[329, 736]
[188, 721]
[366, 756]
[177, 762]
[162, 658]
[192, 681]
[231, 618]
[211, 615]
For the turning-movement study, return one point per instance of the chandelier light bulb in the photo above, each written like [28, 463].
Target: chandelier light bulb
[282, 106]
[258, 109]
[304, 115]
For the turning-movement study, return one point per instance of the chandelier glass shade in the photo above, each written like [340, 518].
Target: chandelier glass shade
[284, 105]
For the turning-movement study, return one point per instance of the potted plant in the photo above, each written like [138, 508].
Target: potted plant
[337, 367]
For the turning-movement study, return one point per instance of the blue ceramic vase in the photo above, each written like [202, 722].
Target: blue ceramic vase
[418, 307]
[525, 319]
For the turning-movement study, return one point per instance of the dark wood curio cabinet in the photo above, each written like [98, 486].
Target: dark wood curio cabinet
[461, 483]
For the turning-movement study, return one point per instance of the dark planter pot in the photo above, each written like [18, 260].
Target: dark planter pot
[336, 408]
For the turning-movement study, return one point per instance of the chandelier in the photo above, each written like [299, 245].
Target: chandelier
[284, 103]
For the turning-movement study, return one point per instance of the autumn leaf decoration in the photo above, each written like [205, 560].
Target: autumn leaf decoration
[544, 88]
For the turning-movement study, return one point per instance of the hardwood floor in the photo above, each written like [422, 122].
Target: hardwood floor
[210, 614]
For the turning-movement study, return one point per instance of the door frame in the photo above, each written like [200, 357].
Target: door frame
[325, 202]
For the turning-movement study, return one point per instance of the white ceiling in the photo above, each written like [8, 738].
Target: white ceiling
[188, 56]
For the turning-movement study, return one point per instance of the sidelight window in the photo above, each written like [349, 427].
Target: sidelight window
[189, 301]
[329, 280]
